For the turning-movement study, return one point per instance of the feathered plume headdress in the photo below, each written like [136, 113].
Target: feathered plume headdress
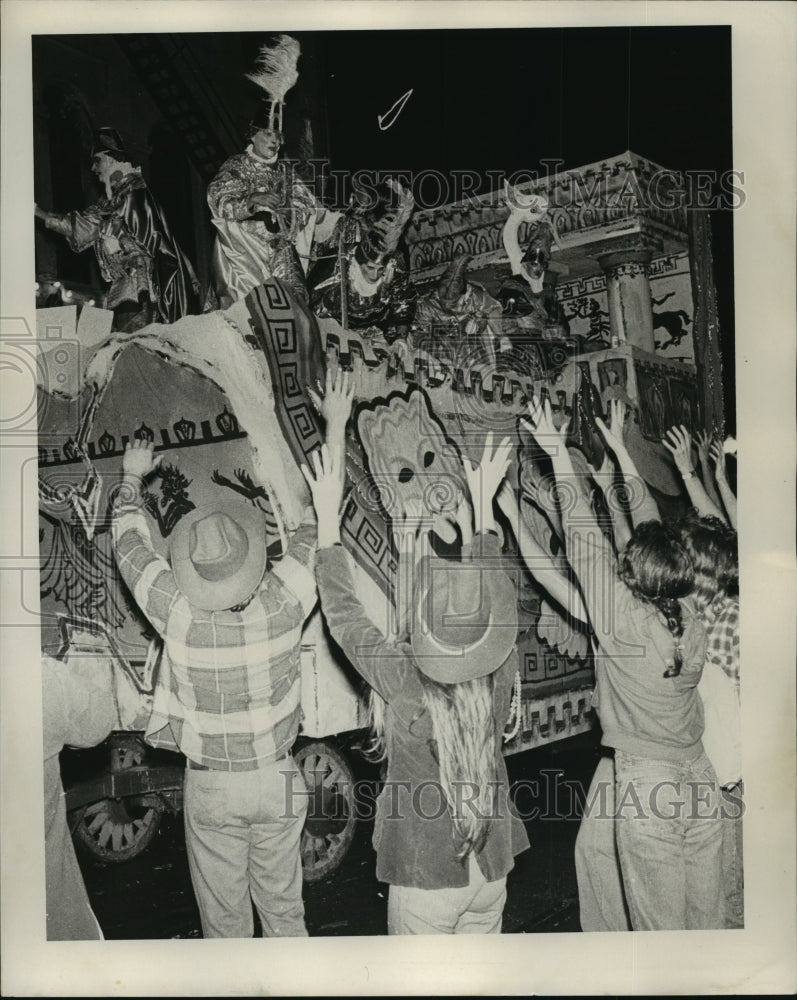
[276, 73]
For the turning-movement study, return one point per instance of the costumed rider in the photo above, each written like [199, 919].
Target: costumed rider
[151, 280]
[265, 215]
[457, 314]
[363, 281]
[531, 310]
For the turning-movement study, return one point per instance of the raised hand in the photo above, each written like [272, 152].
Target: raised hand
[335, 407]
[678, 443]
[550, 438]
[405, 197]
[717, 453]
[139, 460]
[614, 435]
[486, 475]
[484, 478]
[703, 442]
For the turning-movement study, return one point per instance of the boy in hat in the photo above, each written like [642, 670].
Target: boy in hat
[151, 280]
[445, 834]
[228, 692]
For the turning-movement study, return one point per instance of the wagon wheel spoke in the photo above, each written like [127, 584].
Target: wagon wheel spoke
[117, 829]
[331, 817]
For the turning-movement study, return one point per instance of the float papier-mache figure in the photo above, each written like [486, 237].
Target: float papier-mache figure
[151, 280]
[528, 295]
[264, 214]
[363, 281]
[458, 312]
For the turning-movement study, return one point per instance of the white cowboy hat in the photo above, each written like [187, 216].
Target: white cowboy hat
[464, 619]
[218, 554]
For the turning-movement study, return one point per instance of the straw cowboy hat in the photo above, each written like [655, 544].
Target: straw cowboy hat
[464, 619]
[218, 554]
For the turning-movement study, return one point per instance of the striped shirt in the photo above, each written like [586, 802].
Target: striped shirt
[227, 693]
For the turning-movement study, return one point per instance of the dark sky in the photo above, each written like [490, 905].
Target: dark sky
[505, 99]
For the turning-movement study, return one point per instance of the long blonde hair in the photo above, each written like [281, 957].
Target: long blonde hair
[464, 733]
[377, 748]
[463, 728]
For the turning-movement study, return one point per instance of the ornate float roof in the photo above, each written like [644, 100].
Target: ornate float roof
[622, 203]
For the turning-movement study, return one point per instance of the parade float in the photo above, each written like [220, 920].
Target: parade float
[628, 311]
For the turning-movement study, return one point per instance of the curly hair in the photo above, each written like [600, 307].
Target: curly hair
[657, 568]
[712, 547]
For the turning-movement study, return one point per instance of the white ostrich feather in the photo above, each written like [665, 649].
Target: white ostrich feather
[277, 72]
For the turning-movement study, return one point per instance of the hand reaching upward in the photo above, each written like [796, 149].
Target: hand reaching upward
[139, 460]
[614, 436]
[484, 478]
[718, 458]
[678, 443]
[335, 407]
[326, 489]
[550, 438]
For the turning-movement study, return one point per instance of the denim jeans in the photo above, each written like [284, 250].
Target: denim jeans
[476, 908]
[601, 897]
[669, 840]
[732, 862]
[242, 832]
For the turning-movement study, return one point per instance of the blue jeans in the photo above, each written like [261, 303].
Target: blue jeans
[669, 841]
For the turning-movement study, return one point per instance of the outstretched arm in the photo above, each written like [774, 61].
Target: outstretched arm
[335, 406]
[604, 480]
[645, 509]
[382, 664]
[727, 494]
[588, 551]
[702, 443]
[484, 478]
[538, 562]
[679, 444]
[147, 574]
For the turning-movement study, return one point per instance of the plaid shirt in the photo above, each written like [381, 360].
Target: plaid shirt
[228, 690]
[722, 630]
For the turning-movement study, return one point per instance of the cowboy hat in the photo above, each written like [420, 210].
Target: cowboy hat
[218, 554]
[464, 619]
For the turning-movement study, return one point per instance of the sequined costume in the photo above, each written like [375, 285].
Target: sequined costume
[381, 309]
[136, 253]
[252, 246]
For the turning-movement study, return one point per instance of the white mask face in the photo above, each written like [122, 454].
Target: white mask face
[267, 145]
[105, 167]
